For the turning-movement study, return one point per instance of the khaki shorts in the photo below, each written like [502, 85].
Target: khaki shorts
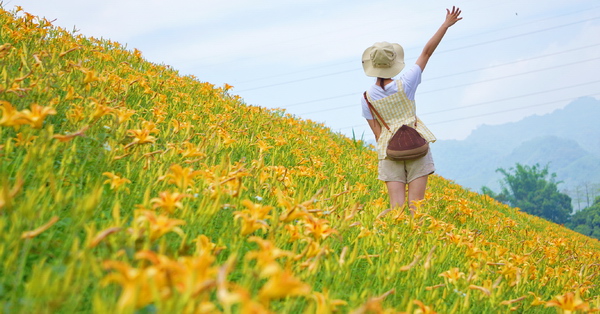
[406, 171]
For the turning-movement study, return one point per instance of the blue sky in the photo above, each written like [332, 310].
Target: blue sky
[505, 60]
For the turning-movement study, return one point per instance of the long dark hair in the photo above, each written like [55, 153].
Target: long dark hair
[381, 82]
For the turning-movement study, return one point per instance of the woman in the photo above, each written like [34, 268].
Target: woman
[394, 100]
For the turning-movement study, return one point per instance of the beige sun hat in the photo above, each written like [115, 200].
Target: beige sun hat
[383, 59]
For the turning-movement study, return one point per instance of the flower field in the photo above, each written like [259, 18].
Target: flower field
[126, 187]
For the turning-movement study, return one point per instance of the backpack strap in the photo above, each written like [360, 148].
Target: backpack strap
[376, 113]
[372, 108]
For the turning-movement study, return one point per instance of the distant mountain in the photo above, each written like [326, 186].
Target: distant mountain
[567, 139]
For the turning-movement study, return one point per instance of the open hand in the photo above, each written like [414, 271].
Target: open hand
[452, 16]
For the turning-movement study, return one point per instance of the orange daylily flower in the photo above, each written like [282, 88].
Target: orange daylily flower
[182, 177]
[190, 150]
[168, 201]
[122, 114]
[266, 256]
[569, 303]
[318, 228]
[423, 309]
[37, 114]
[100, 110]
[150, 126]
[23, 140]
[75, 114]
[90, 76]
[537, 300]
[5, 49]
[292, 211]
[263, 146]
[373, 305]
[324, 304]
[294, 232]
[136, 292]
[179, 125]
[159, 225]
[253, 217]
[140, 137]
[115, 181]
[283, 285]
[10, 115]
[313, 249]
[204, 245]
[227, 140]
[453, 274]
[71, 94]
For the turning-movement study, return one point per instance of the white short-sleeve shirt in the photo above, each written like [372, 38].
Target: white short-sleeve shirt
[411, 78]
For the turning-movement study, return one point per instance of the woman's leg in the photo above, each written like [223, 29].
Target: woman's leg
[397, 193]
[416, 190]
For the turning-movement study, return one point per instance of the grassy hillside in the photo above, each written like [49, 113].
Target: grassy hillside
[127, 187]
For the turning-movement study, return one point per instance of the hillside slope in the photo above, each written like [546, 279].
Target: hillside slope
[126, 186]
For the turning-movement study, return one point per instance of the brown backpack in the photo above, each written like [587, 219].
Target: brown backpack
[406, 143]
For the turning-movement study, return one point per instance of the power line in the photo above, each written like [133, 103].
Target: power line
[519, 35]
[298, 80]
[510, 98]
[509, 110]
[454, 74]
[478, 82]
[514, 62]
[490, 113]
[512, 75]
[291, 40]
[437, 53]
[455, 39]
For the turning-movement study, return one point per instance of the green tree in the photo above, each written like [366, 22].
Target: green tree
[534, 191]
[587, 221]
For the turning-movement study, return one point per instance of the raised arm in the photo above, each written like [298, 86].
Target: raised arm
[451, 18]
